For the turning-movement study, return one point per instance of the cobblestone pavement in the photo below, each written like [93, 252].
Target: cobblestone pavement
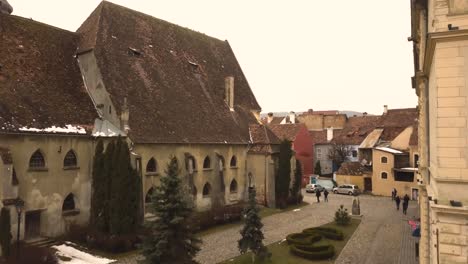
[379, 236]
[384, 236]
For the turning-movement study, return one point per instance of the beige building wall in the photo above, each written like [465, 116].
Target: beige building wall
[351, 179]
[381, 186]
[44, 190]
[441, 81]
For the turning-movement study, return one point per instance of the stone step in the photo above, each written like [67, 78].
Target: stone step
[41, 242]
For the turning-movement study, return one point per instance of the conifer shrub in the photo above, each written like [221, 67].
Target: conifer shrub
[342, 216]
[313, 252]
[328, 232]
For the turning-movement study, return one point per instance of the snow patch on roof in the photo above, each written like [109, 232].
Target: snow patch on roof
[78, 257]
[390, 150]
[69, 129]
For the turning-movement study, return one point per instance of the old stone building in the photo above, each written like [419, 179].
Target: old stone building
[440, 44]
[169, 90]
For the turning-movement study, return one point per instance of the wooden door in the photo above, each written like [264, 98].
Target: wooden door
[368, 184]
[33, 224]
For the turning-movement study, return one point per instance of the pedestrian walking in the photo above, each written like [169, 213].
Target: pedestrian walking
[397, 201]
[405, 203]
[394, 192]
[317, 193]
[325, 194]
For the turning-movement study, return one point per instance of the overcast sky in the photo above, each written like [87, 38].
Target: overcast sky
[296, 54]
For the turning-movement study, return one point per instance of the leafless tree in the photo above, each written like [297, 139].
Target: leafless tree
[339, 153]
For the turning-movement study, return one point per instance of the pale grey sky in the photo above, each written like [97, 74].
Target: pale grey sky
[296, 54]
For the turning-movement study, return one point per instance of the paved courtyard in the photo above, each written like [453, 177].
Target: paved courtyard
[377, 240]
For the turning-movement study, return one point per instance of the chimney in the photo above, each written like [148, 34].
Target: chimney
[5, 7]
[124, 117]
[385, 109]
[292, 117]
[229, 86]
[270, 117]
[329, 133]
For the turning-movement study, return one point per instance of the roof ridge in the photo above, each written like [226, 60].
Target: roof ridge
[39, 23]
[112, 4]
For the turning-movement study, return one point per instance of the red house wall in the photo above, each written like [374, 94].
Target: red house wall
[303, 147]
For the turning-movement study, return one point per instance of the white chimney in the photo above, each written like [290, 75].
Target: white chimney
[5, 7]
[329, 133]
[292, 117]
[385, 109]
[229, 86]
[270, 117]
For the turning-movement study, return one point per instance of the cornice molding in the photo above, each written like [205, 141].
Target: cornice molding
[436, 37]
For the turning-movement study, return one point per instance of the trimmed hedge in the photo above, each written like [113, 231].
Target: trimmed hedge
[328, 232]
[313, 253]
[302, 238]
[217, 216]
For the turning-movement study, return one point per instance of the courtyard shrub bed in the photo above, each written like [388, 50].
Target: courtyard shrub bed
[328, 232]
[217, 216]
[302, 238]
[313, 252]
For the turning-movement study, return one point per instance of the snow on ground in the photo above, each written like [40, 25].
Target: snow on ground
[394, 151]
[78, 256]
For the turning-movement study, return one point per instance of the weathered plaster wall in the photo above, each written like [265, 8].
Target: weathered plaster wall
[46, 189]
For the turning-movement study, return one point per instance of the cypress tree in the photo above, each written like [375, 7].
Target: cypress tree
[318, 168]
[5, 231]
[252, 235]
[296, 187]
[108, 169]
[99, 189]
[171, 239]
[283, 177]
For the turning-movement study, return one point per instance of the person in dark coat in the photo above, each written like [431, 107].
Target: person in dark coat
[394, 193]
[397, 201]
[325, 194]
[405, 203]
[317, 193]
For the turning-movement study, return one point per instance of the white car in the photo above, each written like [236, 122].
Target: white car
[312, 187]
[347, 189]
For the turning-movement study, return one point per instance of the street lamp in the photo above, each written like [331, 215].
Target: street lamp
[19, 204]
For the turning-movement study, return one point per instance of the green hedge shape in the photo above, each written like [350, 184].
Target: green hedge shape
[313, 253]
[328, 232]
[302, 238]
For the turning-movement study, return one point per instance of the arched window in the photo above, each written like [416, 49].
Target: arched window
[233, 186]
[37, 160]
[233, 162]
[70, 159]
[383, 160]
[383, 175]
[69, 203]
[149, 195]
[416, 160]
[151, 166]
[207, 163]
[206, 189]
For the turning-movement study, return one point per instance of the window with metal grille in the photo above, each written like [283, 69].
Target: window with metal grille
[233, 161]
[233, 186]
[206, 189]
[207, 163]
[37, 160]
[70, 159]
[69, 203]
[151, 166]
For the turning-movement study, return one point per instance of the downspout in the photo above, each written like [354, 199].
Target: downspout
[266, 176]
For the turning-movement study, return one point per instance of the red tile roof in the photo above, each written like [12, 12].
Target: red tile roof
[263, 139]
[356, 130]
[352, 168]
[40, 82]
[286, 131]
[319, 137]
[175, 86]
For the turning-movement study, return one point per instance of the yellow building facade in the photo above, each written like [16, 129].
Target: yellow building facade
[440, 41]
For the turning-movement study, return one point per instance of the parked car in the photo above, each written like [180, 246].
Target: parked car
[312, 187]
[347, 189]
